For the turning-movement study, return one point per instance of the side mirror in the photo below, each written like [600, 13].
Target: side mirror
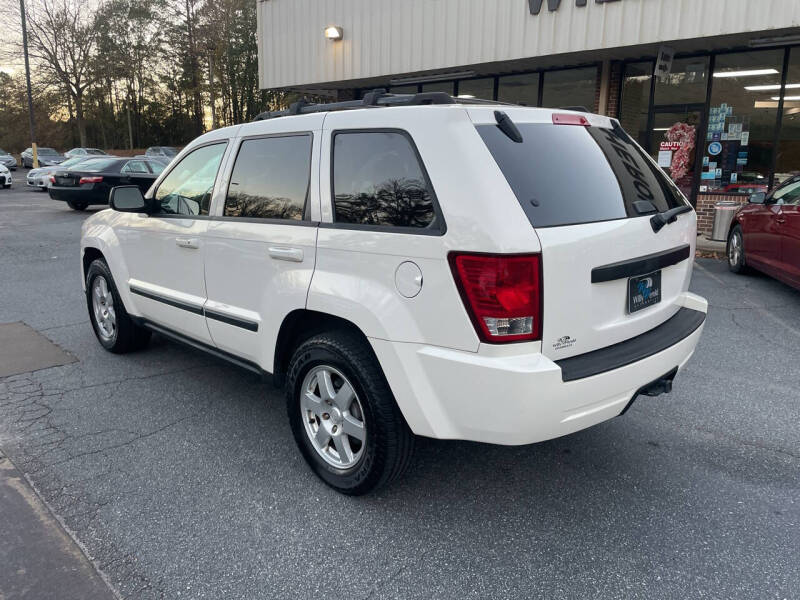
[127, 198]
[757, 198]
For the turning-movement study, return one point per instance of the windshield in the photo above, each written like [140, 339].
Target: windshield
[47, 151]
[3, 152]
[569, 174]
[94, 151]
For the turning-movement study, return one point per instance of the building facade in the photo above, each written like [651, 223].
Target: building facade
[711, 88]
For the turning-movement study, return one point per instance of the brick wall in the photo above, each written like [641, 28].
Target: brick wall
[705, 209]
[613, 89]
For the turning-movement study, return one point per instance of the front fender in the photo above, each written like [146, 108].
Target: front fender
[98, 234]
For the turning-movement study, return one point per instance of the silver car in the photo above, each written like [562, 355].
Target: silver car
[84, 152]
[47, 157]
[5, 177]
[7, 160]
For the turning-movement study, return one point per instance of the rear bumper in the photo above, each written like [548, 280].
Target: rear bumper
[514, 399]
[77, 194]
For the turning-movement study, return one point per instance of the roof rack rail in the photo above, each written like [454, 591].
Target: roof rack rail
[378, 97]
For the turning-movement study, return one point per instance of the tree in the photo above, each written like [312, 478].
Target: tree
[62, 39]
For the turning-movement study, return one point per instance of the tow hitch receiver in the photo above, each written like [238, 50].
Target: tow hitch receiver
[662, 385]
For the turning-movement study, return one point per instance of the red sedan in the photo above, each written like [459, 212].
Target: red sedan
[765, 234]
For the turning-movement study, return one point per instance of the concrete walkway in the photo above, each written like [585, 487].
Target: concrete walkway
[708, 246]
[38, 559]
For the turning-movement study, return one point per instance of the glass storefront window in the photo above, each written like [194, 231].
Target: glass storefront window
[634, 103]
[570, 87]
[477, 88]
[403, 89]
[788, 153]
[448, 87]
[687, 83]
[737, 151]
[519, 89]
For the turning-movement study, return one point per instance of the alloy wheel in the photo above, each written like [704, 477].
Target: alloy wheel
[735, 249]
[103, 308]
[333, 417]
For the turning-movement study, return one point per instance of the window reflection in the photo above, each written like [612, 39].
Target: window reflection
[377, 180]
[270, 178]
[787, 161]
[741, 122]
[571, 87]
[187, 189]
[519, 89]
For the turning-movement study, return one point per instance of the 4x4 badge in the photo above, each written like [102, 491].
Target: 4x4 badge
[564, 342]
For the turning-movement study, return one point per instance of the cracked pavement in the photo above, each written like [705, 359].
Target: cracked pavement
[179, 474]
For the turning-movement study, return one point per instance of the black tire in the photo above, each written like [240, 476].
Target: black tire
[388, 444]
[127, 335]
[734, 251]
[74, 205]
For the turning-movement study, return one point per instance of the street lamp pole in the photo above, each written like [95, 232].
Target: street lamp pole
[31, 119]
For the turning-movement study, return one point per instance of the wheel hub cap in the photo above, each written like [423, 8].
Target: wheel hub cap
[333, 417]
[103, 308]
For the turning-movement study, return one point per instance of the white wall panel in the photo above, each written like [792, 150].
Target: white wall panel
[385, 37]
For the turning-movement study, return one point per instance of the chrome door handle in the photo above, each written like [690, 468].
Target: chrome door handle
[187, 243]
[291, 254]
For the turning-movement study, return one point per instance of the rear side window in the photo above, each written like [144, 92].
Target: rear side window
[135, 166]
[568, 174]
[378, 180]
[270, 178]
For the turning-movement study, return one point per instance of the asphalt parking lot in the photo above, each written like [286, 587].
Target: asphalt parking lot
[180, 477]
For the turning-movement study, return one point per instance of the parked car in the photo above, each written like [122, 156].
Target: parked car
[90, 183]
[84, 152]
[40, 178]
[163, 151]
[5, 177]
[7, 160]
[47, 157]
[765, 234]
[434, 270]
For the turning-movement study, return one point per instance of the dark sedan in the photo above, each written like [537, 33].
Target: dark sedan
[92, 183]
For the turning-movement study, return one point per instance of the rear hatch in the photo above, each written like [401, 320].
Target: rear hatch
[589, 192]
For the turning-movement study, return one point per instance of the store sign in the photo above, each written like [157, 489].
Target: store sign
[535, 6]
[664, 63]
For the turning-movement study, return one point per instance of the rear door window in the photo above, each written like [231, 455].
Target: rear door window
[270, 178]
[568, 174]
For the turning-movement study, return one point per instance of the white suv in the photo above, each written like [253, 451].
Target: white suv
[410, 266]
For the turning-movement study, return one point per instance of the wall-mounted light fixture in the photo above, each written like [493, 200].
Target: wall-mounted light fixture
[334, 32]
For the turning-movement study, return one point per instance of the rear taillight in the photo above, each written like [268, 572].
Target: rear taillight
[502, 294]
[95, 179]
[52, 179]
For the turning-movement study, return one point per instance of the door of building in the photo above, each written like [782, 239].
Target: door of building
[676, 133]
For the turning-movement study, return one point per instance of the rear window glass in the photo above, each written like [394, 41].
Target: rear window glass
[97, 165]
[567, 174]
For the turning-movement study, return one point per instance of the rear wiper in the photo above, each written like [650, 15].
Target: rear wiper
[507, 126]
[658, 221]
